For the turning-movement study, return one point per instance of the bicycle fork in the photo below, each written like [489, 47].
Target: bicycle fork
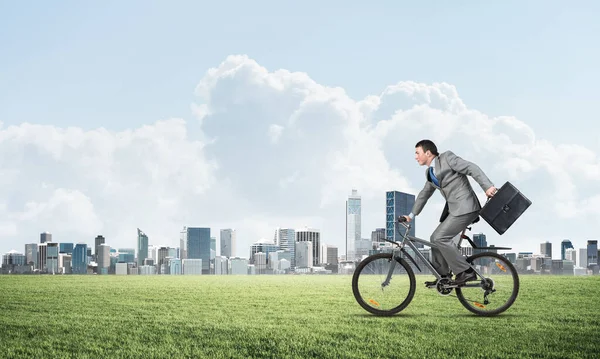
[386, 282]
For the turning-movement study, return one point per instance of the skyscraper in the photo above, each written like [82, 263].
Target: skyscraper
[99, 240]
[65, 248]
[52, 257]
[353, 224]
[480, 241]
[183, 243]
[546, 249]
[198, 246]
[563, 246]
[79, 259]
[398, 204]
[142, 247]
[314, 236]
[103, 258]
[45, 237]
[31, 256]
[592, 252]
[227, 242]
[285, 239]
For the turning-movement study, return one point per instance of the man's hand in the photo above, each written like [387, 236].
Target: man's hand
[407, 218]
[491, 192]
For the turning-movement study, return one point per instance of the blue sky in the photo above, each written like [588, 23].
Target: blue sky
[123, 65]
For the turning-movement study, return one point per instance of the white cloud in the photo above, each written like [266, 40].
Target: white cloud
[278, 149]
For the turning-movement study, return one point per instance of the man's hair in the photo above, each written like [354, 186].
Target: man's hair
[428, 145]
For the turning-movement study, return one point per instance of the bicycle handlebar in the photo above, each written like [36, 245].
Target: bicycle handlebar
[401, 219]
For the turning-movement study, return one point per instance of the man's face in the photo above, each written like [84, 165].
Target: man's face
[421, 156]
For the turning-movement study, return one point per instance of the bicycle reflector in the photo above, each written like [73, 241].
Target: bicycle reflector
[502, 268]
[374, 302]
[479, 305]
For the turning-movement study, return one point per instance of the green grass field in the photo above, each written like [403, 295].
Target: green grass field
[283, 317]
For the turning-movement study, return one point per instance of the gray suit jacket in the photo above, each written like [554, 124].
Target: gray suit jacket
[451, 172]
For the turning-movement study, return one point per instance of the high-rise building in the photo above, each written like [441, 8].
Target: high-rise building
[163, 252]
[592, 252]
[314, 236]
[142, 247]
[198, 246]
[331, 255]
[565, 244]
[378, 235]
[353, 224]
[42, 251]
[571, 255]
[285, 239]
[262, 246]
[183, 243]
[31, 257]
[480, 241]
[52, 257]
[66, 248]
[99, 240]
[103, 258]
[582, 258]
[398, 204]
[45, 237]
[546, 249]
[304, 254]
[79, 259]
[228, 242]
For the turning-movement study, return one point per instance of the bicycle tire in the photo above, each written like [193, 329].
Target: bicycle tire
[366, 306]
[515, 292]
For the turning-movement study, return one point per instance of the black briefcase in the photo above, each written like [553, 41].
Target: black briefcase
[502, 210]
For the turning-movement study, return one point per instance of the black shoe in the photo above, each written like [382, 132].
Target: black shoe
[433, 283]
[463, 277]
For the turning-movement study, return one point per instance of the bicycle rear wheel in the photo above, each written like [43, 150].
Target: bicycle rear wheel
[496, 292]
[375, 296]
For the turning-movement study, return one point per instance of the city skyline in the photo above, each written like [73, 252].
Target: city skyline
[105, 129]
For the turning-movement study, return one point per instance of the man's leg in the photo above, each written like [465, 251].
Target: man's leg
[446, 256]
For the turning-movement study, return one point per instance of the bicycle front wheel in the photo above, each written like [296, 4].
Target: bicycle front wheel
[496, 292]
[373, 293]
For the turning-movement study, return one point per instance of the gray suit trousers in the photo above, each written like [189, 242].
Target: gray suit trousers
[446, 256]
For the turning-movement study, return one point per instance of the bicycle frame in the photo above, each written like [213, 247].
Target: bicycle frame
[408, 240]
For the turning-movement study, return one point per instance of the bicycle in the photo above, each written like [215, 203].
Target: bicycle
[485, 296]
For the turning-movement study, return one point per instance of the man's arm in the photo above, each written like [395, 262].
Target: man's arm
[469, 168]
[422, 198]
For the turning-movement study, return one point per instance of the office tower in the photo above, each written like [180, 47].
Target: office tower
[228, 238]
[66, 248]
[378, 235]
[192, 266]
[565, 244]
[262, 246]
[571, 255]
[163, 252]
[592, 252]
[45, 237]
[52, 257]
[13, 258]
[353, 224]
[142, 247]
[480, 241]
[79, 259]
[103, 258]
[582, 258]
[183, 243]
[198, 245]
[42, 251]
[99, 240]
[126, 255]
[546, 249]
[304, 254]
[285, 239]
[31, 256]
[331, 254]
[398, 204]
[314, 236]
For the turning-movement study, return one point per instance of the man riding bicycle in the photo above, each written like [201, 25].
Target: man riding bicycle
[448, 173]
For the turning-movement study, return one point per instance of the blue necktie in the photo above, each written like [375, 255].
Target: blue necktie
[433, 178]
